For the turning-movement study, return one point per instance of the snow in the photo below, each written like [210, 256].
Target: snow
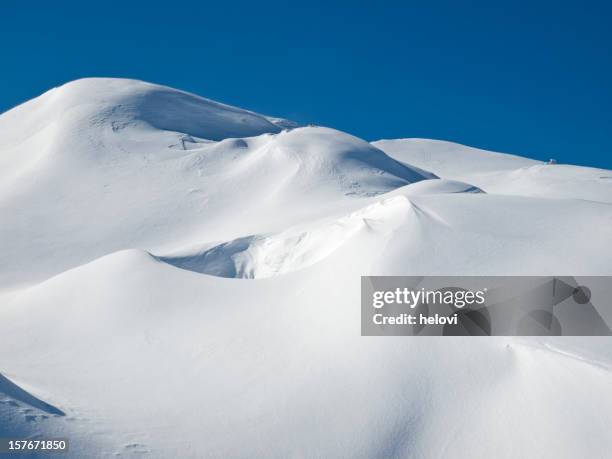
[501, 173]
[181, 278]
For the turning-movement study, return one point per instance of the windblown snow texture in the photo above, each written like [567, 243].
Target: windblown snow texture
[180, 278]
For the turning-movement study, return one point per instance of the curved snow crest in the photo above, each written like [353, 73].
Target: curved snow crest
[121, 103]
[316, 157]
[438, 186]
[269, 255]
[12, 394]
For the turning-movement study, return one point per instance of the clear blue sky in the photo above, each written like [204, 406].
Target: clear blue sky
[532, 78]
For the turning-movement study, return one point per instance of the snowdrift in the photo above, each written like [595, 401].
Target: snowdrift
[181, 278]
[122, 156]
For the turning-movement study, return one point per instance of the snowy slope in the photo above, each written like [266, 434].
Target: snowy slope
[181, 278]
[98, 151]
[502, 173]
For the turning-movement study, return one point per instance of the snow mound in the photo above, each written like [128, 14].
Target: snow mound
[143, 154]
[448, 159]
[315, 157]
[116, 104]
[438, 186]
[415, 232]
[272, 358]
[268, 255]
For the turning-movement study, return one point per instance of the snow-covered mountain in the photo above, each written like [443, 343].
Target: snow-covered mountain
[181, 278]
